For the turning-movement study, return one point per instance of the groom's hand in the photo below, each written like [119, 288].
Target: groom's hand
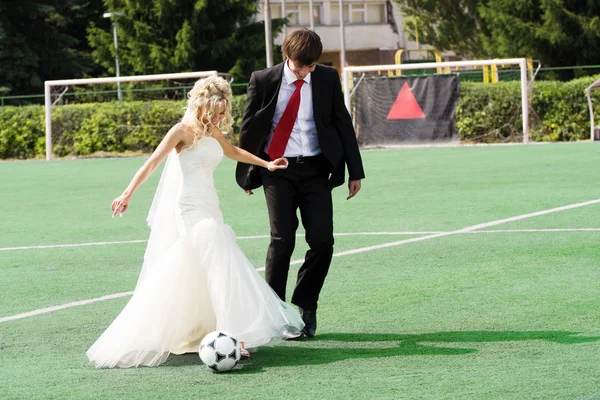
[353, 188]
[249, 192]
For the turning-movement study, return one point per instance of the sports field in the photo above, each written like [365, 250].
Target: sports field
[460, 273]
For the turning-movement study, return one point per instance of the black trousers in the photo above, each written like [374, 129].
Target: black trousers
[304, 186]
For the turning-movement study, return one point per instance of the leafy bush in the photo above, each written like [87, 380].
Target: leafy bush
[82, 129]
[485, 113]
[21, 129]
[492, 113]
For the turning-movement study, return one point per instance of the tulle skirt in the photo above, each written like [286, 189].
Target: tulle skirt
[203, 283]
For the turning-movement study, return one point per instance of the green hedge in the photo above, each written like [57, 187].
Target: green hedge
[485, 113]
[492, 113]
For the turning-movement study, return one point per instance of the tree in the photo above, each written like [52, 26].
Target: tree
[163, 36]
[445, 24]
[42, 40]
[556, 32]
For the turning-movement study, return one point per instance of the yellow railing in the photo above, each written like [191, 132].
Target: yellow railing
[399, 53]
[490, 73]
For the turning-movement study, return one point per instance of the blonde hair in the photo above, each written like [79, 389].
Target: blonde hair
[205, 100]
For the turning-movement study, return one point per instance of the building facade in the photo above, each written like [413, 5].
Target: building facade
[374, 29]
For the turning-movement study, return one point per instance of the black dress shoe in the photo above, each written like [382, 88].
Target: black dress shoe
[310, 321]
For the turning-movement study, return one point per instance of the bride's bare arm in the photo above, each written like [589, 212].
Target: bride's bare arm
[176, 135]
[241, 155]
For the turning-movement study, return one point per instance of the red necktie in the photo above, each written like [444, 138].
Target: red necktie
[283, 130]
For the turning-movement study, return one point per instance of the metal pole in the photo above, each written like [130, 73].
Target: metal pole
[524, 100]
[136, 78]
[451, 64]
[342, 35]
[113, 16]
[346, 89]
[591, 107]
[311, 15]
[268, 35]
[119, 94]
[343, 56]
[284, 15]
[47, 110]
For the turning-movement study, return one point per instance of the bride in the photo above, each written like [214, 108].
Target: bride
[194, 279]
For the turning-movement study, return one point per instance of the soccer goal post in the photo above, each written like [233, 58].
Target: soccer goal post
[90, 81]
[395, 70]
[588, 94]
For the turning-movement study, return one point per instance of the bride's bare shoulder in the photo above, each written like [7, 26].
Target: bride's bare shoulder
[182, 127]
[183, 131]
[180, 135]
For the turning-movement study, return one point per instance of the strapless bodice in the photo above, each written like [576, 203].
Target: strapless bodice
[198, 198]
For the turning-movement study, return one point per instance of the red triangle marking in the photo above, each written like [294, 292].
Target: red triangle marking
[405, 106]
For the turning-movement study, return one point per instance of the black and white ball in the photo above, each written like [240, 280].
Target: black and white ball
[219, 351]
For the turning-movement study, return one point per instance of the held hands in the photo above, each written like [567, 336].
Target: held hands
[120, 205]
[280, 163]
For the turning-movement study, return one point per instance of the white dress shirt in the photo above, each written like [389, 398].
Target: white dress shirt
[303, 139]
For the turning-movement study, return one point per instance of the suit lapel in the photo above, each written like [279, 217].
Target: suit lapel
[272, 87]
[317, 86]
[268, 98]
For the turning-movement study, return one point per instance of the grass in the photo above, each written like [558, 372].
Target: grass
[507, 314]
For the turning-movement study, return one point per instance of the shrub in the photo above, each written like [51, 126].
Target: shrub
[485, 113]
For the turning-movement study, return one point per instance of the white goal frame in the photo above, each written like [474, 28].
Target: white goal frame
[588, 94]
[521, 62]
[90, 81]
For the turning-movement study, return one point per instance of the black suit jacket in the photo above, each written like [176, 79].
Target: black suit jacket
[334, 125]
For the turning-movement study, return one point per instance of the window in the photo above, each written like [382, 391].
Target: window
[335, 14]
[375, 13]
[305, 14]
[275, 10]
[359, 13]
[298, 14]
[293, 13]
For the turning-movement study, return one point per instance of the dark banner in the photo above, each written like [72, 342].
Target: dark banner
[405, 110]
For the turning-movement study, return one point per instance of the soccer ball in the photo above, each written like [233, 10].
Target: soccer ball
[219, 351]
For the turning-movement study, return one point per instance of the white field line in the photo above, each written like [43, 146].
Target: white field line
[468, 229]
[63, 306]
[54, 246]
[539, 230]
[57, 246]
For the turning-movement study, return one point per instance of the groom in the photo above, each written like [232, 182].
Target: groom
[296, 110]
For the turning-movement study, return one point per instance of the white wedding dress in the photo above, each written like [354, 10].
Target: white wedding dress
[195, 279]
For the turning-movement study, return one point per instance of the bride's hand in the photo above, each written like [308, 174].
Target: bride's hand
[280, 163]
[120, 205]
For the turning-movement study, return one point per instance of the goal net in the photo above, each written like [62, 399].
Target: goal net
[431, 103]
[139, 101]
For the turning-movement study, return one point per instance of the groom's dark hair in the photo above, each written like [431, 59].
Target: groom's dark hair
[303, 47]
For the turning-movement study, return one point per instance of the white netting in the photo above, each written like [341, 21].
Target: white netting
[132, 119]
[440, 102]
